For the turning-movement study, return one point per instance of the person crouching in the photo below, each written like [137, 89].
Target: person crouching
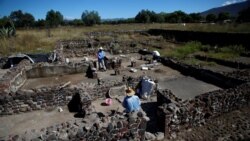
[131, 102]
[156, 56]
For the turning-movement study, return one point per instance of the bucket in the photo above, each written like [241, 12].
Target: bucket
[108, 101]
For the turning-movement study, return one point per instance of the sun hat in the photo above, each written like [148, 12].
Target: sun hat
[130, 91]
[101, 48]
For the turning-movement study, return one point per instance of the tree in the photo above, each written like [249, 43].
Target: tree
[40, 23]
[3, 21]
[223, 16]
[76, 22]
[91, 18]
[195, 17]
[16, 17]
[21, 19]
[244, 15]
[54, 18]
[28, 20]
[157, 18]
[211, 18]
[143, 16]
[176, 17]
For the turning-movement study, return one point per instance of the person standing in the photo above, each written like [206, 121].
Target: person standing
[131, 102]
[101, 56]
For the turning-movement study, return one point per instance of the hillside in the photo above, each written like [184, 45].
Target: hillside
[232, 9]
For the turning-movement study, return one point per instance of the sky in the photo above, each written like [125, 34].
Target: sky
[107, 9]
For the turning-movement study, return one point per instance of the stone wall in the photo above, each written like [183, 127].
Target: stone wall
[232, 64]
[83, 48]
[116, 126]
[175, 114]
[239, 74]
[13, 79]
[46, 97]
[43, 98]
[218, 79]
[54, 70]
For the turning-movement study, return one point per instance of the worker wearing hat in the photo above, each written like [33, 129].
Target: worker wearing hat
[101, 56]
[131, 102]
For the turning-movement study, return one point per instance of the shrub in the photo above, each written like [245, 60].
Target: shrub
[8, 31]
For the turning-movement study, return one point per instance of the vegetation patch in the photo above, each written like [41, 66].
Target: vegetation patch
[193, 61]
[185, 51]
[228, 52]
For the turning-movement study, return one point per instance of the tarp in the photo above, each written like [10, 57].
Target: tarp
[147, 87]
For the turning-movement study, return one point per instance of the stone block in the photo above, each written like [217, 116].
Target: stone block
[23, 109]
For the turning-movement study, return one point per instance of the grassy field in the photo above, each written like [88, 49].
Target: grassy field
[37, 40]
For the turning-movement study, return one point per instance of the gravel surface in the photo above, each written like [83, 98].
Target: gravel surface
[227, 127]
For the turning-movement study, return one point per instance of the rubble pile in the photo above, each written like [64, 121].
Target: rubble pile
[89, 47]
[230, 126]
[101, 91]
[3, 61]
[240, 74]
[177, 114]
[114, 63]
[95, 126]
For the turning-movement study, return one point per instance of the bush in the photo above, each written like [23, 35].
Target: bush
[8, 31]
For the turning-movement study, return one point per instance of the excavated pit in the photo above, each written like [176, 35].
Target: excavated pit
[29, 110]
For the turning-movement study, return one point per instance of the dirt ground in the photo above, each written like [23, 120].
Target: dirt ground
[18, 124]
[182, 86]
[187, 87]
[36, 120]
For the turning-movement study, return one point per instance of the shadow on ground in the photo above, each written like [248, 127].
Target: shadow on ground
[151, 110]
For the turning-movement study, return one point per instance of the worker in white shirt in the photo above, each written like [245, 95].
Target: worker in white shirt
[156, 55]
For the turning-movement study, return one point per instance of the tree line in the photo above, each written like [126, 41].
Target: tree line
[89, 18]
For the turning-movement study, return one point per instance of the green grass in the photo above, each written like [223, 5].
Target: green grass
[227, 52]
[185, 51]
[193, 61]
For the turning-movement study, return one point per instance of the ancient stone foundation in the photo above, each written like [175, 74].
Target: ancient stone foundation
[177, 114]
[116, 126]
[43, 98]
[16, 77]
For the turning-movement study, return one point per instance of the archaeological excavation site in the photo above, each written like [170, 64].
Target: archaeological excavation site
[66, 95]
